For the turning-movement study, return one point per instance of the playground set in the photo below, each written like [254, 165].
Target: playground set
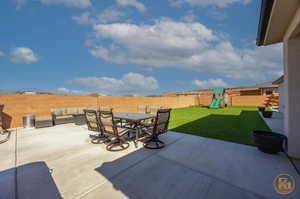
[218, 98]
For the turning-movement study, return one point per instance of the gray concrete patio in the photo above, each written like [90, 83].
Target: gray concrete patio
[60, 162]
[275, 122]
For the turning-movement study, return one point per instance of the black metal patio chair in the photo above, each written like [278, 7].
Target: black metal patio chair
[93, 123]
[159, 127]
[4, 134]
[110, 128]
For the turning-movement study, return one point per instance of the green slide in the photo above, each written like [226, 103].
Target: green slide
[216, 103]
[218, 91]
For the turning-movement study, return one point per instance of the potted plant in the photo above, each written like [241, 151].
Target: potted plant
[269, 142]
[267, 114]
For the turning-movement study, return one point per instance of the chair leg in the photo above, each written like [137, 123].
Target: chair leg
[99, 139]
[6, 134]
[154, 143]
[117, 144]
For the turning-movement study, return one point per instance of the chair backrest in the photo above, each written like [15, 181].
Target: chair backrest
[162, 121]
[92, 120]
[1, 108]
[107, 123]
[142, 109]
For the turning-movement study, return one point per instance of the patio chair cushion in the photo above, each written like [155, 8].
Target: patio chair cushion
[107, 121]
[91, 118]
[162, 122]
[63, 117]
[121, 131]
[42, 118]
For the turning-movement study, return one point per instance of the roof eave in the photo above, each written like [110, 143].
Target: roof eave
[265, 13]
[278, 81]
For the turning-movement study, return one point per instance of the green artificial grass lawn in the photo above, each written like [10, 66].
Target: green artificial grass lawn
[233, 124]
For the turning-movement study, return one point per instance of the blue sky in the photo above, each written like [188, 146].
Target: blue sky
[139, 47]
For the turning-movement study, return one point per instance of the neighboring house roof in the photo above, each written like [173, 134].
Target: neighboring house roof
[258, 86]
[265, 13]
[249, 89]
[240, 88]
[278, 81]
[180, 93]
[266, 85]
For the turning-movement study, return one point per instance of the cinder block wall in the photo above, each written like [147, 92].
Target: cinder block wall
[16, 105]
[130, 104]
[254, 100]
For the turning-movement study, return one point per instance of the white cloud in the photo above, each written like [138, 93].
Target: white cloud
[67, 91]
[84, 18]
[134, 3]
[23, 55]
[218, 3]
[130, 83]
[2, 54]
[211, 83]
[189, 46]
[109, 15]
[71, 3]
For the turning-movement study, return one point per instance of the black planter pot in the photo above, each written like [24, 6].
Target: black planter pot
[269, 142]
[267, 114]
[261, 109]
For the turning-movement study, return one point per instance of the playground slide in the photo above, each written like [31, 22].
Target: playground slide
[216, 103]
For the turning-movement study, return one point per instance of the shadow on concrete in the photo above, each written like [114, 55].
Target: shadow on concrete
[114, 169]
[32, 181]
[142, 174]
[151, 177]
[232, 128]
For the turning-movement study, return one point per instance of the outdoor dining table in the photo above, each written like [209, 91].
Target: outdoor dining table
[135, 119]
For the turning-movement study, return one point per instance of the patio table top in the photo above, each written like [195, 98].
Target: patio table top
[135, 117]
